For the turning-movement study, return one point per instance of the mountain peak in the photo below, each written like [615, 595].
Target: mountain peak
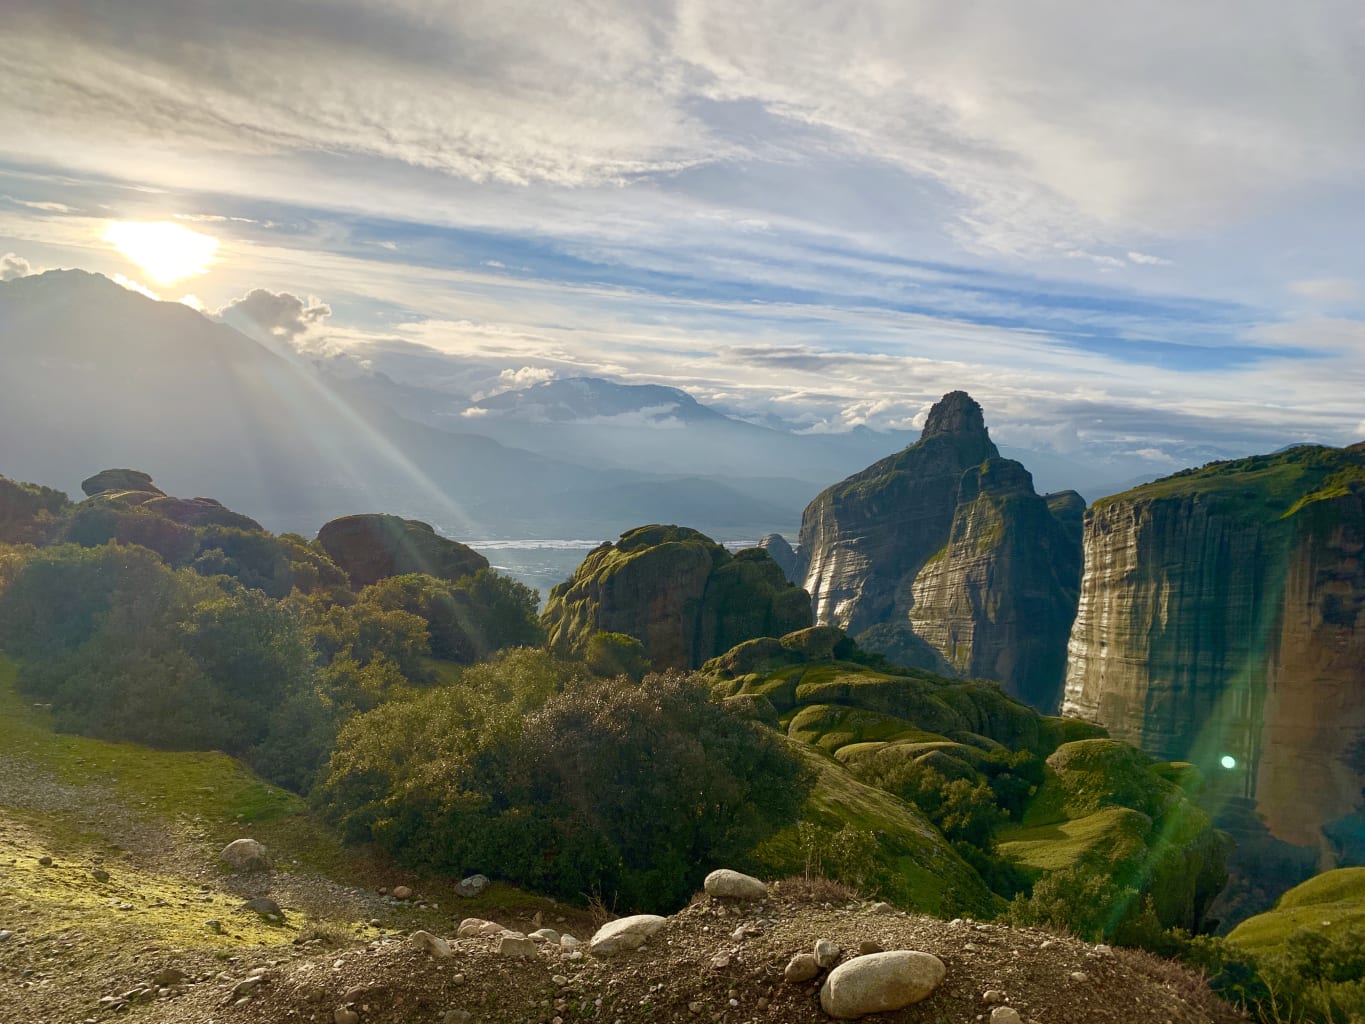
[955, 414]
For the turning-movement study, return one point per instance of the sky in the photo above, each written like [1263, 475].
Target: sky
[1128, 230]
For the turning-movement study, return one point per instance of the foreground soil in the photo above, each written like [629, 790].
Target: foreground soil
[714, 961]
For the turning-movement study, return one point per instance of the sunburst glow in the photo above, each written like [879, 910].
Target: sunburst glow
[166, 251]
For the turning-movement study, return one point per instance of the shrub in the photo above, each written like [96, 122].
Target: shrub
[528, 772]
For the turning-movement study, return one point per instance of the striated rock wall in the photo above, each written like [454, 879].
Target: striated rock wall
[1312, 732]
[943, 557]
[998, 600]
[1222, 614]
[864, 539]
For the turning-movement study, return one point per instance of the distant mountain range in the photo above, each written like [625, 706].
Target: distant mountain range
[98, 376]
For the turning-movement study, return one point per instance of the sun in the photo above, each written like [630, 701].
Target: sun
[168, 252]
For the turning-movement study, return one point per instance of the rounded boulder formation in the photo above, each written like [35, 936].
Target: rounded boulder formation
[369, 548]
[880, 982]
[119, 480]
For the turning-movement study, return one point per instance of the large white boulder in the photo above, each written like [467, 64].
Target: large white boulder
[734, 885]
[627, 933]
[880, 982]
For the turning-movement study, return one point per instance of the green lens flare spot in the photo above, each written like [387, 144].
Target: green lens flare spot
[1228, 761]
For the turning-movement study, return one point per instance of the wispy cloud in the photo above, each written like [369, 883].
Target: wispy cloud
[828, 214]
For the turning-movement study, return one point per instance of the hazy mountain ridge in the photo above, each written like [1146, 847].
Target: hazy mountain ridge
[113, 378]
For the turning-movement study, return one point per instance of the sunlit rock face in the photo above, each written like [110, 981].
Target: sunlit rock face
[943, 557]
[1222, 620]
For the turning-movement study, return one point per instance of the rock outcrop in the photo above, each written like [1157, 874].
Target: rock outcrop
[1222, 620]
[943, 557]
[679, 593]
[784, 555]
[370, 548]
[132, 488]
[119, 480]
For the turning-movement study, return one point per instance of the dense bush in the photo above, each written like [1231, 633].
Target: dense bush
[28, 511]
[529, 772]
[126, 648]
[468, 620]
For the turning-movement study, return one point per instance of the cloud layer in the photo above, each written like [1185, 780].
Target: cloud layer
[1128, 227]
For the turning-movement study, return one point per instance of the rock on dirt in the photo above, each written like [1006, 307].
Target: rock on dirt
[880, 982]
[245, 855]
[728, 884]
[627, 933]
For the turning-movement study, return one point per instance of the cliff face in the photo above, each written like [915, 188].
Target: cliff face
[1221, 615]
[679, 593]
[942, 557]
[998, 600]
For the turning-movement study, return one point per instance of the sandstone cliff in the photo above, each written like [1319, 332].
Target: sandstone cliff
[679, 593]
[943, 557]
[1221, 617]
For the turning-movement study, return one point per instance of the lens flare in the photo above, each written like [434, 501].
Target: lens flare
[166, 251]
[1228, 761]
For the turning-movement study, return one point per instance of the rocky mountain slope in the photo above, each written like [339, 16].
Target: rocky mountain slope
[678, 592]
[944, 557]
[1222, 620]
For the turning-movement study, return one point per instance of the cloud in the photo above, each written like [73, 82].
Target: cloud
[12, 266]
[279, 314]
[527, 376]
[1326, 289]
[1146, 259]
[136, 286]
[1081, 125]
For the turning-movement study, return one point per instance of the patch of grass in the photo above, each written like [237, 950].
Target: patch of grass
[1330, 902]
[1113, 835]
[67, 896]
[217, 793]
[1280, 483]
[919, 868]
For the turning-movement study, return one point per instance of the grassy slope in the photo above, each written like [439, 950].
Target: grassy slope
[178, 809]
[1330, 901]
[927, 875]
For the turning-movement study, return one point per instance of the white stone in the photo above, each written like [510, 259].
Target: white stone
[733, 885]
[826, 953]
[432, 944]
[1005, 1015]
[879, 982]
[627, 933]
[545, 935]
